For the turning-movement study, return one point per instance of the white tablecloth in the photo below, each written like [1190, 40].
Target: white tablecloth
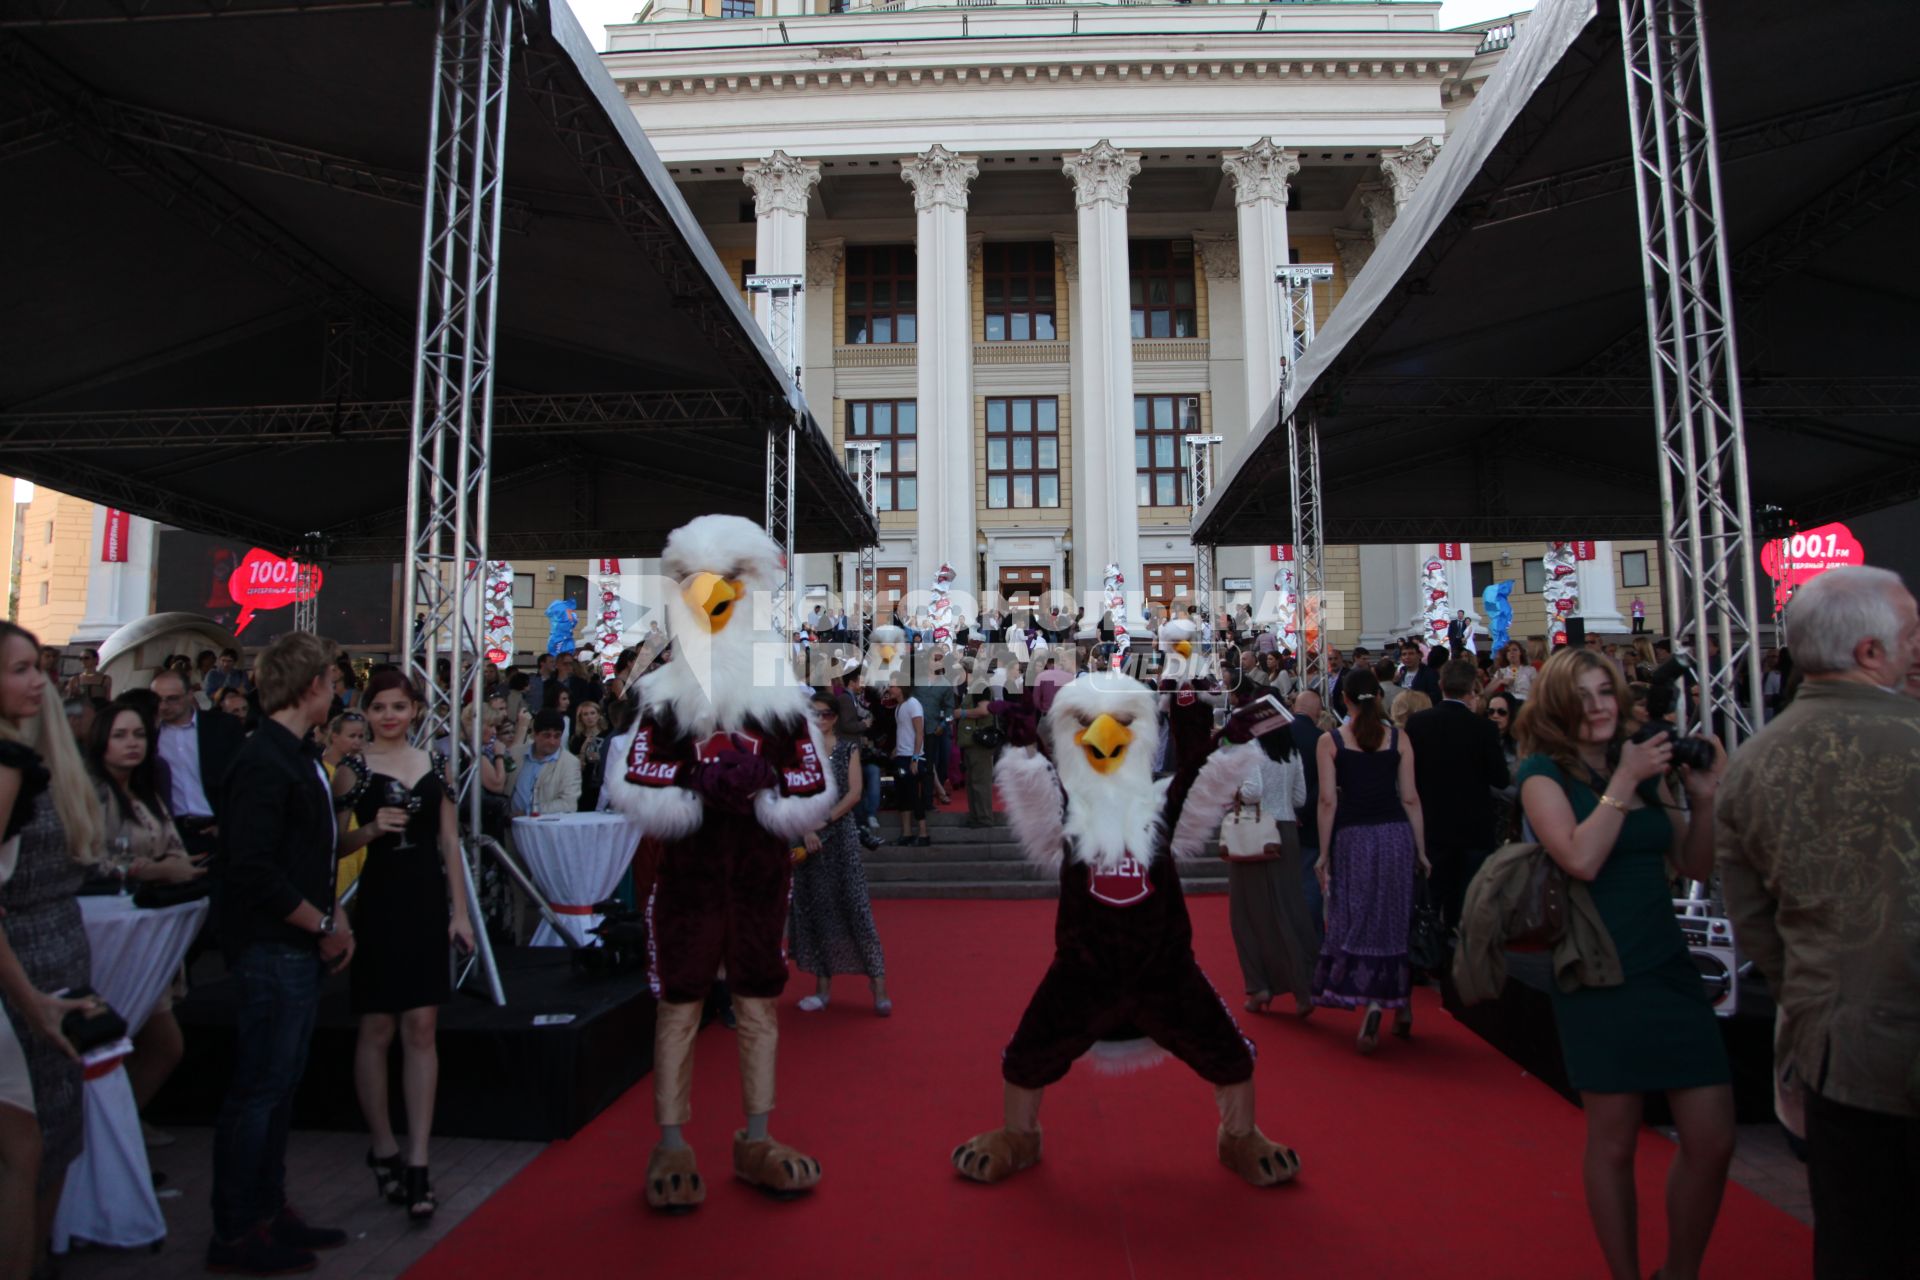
[109, 1197]
[577, 859]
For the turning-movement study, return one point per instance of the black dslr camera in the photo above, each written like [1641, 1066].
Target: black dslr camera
[1693, 752]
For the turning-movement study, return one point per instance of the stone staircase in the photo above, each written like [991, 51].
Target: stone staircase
[985, 862]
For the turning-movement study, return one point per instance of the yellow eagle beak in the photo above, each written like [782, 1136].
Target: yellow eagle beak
[712, 597]
[886, 653]
[1184, 648]
[1104, 741]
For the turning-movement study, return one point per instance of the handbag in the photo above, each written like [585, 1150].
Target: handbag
[990, 737]
[88, 1031]
[1426, 932]
[1246, 835]
[1539, 917]
[156, 895]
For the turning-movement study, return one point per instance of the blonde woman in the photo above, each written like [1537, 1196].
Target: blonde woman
[346, 737]
[50, 821]
[1408, 703]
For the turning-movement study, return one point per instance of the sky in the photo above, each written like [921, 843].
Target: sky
[594, 15]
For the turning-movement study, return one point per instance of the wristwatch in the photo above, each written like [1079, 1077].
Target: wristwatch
[327, 925]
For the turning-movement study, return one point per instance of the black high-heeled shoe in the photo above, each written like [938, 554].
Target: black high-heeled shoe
[417, 1195]
[386, 1175]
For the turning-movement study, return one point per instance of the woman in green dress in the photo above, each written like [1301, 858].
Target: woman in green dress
[1601, 806]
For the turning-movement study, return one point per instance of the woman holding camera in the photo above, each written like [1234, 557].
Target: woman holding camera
[1600, 805]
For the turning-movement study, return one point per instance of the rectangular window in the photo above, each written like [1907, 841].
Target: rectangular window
[880, 293]
[1161, 283]
[1533, 576]
[45, 589]
[1633, 569]
[1017, 283]
[749, 267]
[1159, 451]
[49, 533]
[891, 425]
[523, 591]
[1023, 452]
[736, 8]
[1482, 579]
[574, 588]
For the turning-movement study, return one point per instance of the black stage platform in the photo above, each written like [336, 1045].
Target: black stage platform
[500, 1075]
[1520, 1024]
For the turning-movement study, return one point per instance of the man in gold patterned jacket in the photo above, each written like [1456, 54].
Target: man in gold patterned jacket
[1819, 853]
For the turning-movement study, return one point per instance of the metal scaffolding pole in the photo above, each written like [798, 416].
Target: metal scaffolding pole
[783, 317]
[1707, 522]
[865, 464]
[306, 603]
[447, 487]
[783, 296]
[1309, 545]
[1296, 311]
[1199, 489]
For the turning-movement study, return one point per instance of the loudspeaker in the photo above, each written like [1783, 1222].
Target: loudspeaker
[1576, 633]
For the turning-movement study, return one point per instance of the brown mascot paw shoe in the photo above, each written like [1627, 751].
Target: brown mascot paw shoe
[996, 1156]
[1260, 1162]
[673, 1185]
[774, 1167]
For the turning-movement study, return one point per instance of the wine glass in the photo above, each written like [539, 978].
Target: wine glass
[120, 858]
[399, 797]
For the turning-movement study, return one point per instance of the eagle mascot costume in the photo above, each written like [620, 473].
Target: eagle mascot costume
[1123, 977]
[724, 768]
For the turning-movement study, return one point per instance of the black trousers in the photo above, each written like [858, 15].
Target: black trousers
[1863, 1168]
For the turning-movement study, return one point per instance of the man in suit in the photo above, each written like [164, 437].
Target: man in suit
[198, 748]
[1458, 765]
[548, 775]
[1306, 732]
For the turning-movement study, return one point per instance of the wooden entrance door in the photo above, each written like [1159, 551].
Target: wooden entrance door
[1021, 586]
[1170, 585]
[891, 586]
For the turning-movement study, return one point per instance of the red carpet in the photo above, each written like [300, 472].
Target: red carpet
[1432, 1159]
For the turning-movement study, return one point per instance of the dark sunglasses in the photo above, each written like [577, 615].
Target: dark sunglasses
[1496, 711]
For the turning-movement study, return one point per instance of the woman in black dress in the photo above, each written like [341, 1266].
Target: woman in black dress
[402, 927]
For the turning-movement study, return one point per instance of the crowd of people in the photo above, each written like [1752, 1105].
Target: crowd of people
[298, 787]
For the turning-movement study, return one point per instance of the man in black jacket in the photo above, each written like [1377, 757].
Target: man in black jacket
[1306, 732]
[197, 748]
[283, 934]
[1458, 765]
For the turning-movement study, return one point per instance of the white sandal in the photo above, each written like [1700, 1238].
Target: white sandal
[813, 1003]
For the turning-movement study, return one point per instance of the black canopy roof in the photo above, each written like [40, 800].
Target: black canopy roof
[205, 198]
[1485, 376]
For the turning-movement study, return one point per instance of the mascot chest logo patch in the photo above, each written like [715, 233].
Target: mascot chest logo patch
[1123, 886]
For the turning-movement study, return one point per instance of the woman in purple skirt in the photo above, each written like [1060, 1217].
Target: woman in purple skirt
[1371, 837]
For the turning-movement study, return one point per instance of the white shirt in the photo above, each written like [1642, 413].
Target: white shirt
[180, 748]
[904, 715]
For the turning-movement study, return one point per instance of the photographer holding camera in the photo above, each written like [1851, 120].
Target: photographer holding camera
[1819, 861]
[1599, 801]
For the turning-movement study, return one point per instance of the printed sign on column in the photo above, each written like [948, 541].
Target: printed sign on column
[113, 541]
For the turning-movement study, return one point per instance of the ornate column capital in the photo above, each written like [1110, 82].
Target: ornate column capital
[1101, 174]
[976, 249]
[1354, 246]
[1219, 255]
[1067, 250]
[780, 183]
[823, 262]
[939, 178]
[1405, 166]
[1261, 172]
[1376, 202]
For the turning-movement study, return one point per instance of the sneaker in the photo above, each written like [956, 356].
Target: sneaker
[904, 842]
[291, 1229]
[257, 1254]
[868, 840]
[873, 822]
[922, 842]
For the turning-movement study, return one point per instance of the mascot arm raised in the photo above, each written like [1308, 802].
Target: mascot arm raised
[1031, 791]
[645, 786]
[1212, 794]
[801, 793]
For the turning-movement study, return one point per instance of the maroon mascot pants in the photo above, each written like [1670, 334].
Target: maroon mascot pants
[721, 898]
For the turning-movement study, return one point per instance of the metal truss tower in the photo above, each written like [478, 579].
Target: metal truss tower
[866, 470]
[447, 488]
[783, 311]
[1199, 489]
[1303, 473]
[1708, 528]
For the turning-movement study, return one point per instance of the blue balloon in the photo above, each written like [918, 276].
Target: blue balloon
[1499, 608]
[562, 618]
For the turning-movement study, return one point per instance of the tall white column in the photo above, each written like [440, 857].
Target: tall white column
[1260, 176]
[1106, 504]
[944, 366]
[118, 592]
[1599, 592]
[781, 185]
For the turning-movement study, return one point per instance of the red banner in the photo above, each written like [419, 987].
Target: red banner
[1449, 551]
[113, 542]
[1280, 551]
[610, 568]
[267, 581]
[1585, 550]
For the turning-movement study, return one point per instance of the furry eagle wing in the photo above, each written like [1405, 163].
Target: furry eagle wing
[1219, 780]
[1033, 798]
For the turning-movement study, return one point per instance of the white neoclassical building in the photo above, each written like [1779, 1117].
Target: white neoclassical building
[1039, 242]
